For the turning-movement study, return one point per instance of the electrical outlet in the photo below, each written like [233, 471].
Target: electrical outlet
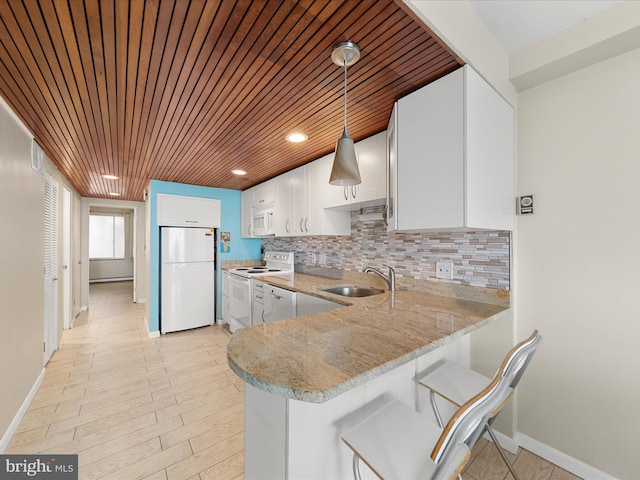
[444, 270]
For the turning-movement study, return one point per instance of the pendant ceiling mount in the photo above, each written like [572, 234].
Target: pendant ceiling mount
[345, 53]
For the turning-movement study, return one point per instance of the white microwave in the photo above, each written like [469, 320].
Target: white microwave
[262, 223]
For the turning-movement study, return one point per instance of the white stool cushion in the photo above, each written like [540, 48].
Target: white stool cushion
[455, 382]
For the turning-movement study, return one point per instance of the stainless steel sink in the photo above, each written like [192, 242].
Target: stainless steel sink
[353, 290]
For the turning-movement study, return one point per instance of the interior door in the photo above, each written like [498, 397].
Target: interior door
[66, 257]
[50, 267]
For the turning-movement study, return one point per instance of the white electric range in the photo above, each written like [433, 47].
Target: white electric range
[240, 286]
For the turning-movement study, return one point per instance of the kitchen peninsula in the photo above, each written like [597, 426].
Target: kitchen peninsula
[311, 377]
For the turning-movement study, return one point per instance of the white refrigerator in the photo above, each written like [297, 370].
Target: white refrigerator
[187, 278]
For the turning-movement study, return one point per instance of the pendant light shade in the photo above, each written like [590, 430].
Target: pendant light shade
[345, 169]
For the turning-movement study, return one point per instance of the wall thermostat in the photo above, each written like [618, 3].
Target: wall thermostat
[525, 204]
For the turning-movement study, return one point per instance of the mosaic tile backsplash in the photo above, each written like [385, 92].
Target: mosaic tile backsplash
[480, 258]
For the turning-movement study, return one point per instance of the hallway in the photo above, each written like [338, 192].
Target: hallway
[167, 408]
[134, 407]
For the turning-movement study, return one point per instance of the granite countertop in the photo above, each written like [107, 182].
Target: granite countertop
[316, 357]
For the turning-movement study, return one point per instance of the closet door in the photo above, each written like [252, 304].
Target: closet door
[50, 266]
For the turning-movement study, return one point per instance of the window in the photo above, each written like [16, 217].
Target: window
[106, 236]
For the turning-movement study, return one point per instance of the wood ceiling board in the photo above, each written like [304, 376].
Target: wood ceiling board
[186, 90]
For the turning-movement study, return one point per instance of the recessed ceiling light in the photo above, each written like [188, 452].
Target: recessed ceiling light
[238, 172]
[110, 177]
[114, 194]
[296, 137]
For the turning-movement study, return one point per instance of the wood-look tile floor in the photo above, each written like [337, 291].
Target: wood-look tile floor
[165, 408]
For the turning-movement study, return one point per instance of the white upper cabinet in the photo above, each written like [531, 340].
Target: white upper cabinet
[246, 200]
[450, 157]
[285, 215]
[299, 208]
[265, 192]
[372, 163]
[182, 211]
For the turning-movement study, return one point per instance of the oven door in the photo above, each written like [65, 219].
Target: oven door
[239, 301]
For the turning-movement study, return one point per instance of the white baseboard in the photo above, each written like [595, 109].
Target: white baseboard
[507, 443]
[573, 465]
[142, 300]
[13, 426]
[149, 332]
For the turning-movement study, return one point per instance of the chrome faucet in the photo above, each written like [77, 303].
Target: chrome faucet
[390, 279]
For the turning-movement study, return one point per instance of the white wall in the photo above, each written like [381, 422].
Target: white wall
[139, 254]
[21, 275]
[458, 25]
[578, 261]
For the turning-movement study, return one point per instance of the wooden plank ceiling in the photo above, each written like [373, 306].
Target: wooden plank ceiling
[187, 90]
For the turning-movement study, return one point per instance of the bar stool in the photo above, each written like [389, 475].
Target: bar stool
[457, 384]
[394, 441]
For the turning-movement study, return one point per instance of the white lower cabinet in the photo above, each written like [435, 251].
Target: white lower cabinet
[291, 439]
[451, 157]
[225, 297]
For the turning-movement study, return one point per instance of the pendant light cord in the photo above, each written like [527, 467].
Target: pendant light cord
[345, 94]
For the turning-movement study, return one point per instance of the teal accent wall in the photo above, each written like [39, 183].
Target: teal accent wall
[241, 248]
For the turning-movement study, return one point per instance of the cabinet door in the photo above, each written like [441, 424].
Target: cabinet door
[182, 211]
[489, 127]
[316, 177]
[225, 297]
[265, 192]
[392, 169]
[334, 195]
[285, 212]
[246, 198]
[430, 172]
[299, 203]
[372, 164]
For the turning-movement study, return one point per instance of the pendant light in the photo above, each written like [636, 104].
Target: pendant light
[345, 164]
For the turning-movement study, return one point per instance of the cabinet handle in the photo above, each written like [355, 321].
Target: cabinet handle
[306, 225]
[287, 226]
[249, 229]
[259, 297]
[190, 221]
[346, 193]
[301, 224]
[263, 321]
[353, 191]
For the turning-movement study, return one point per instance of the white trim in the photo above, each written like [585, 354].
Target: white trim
[13, 426]
[149, 332]
[17, 120]
[507, 443]
[562, 460]
[142, 300]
